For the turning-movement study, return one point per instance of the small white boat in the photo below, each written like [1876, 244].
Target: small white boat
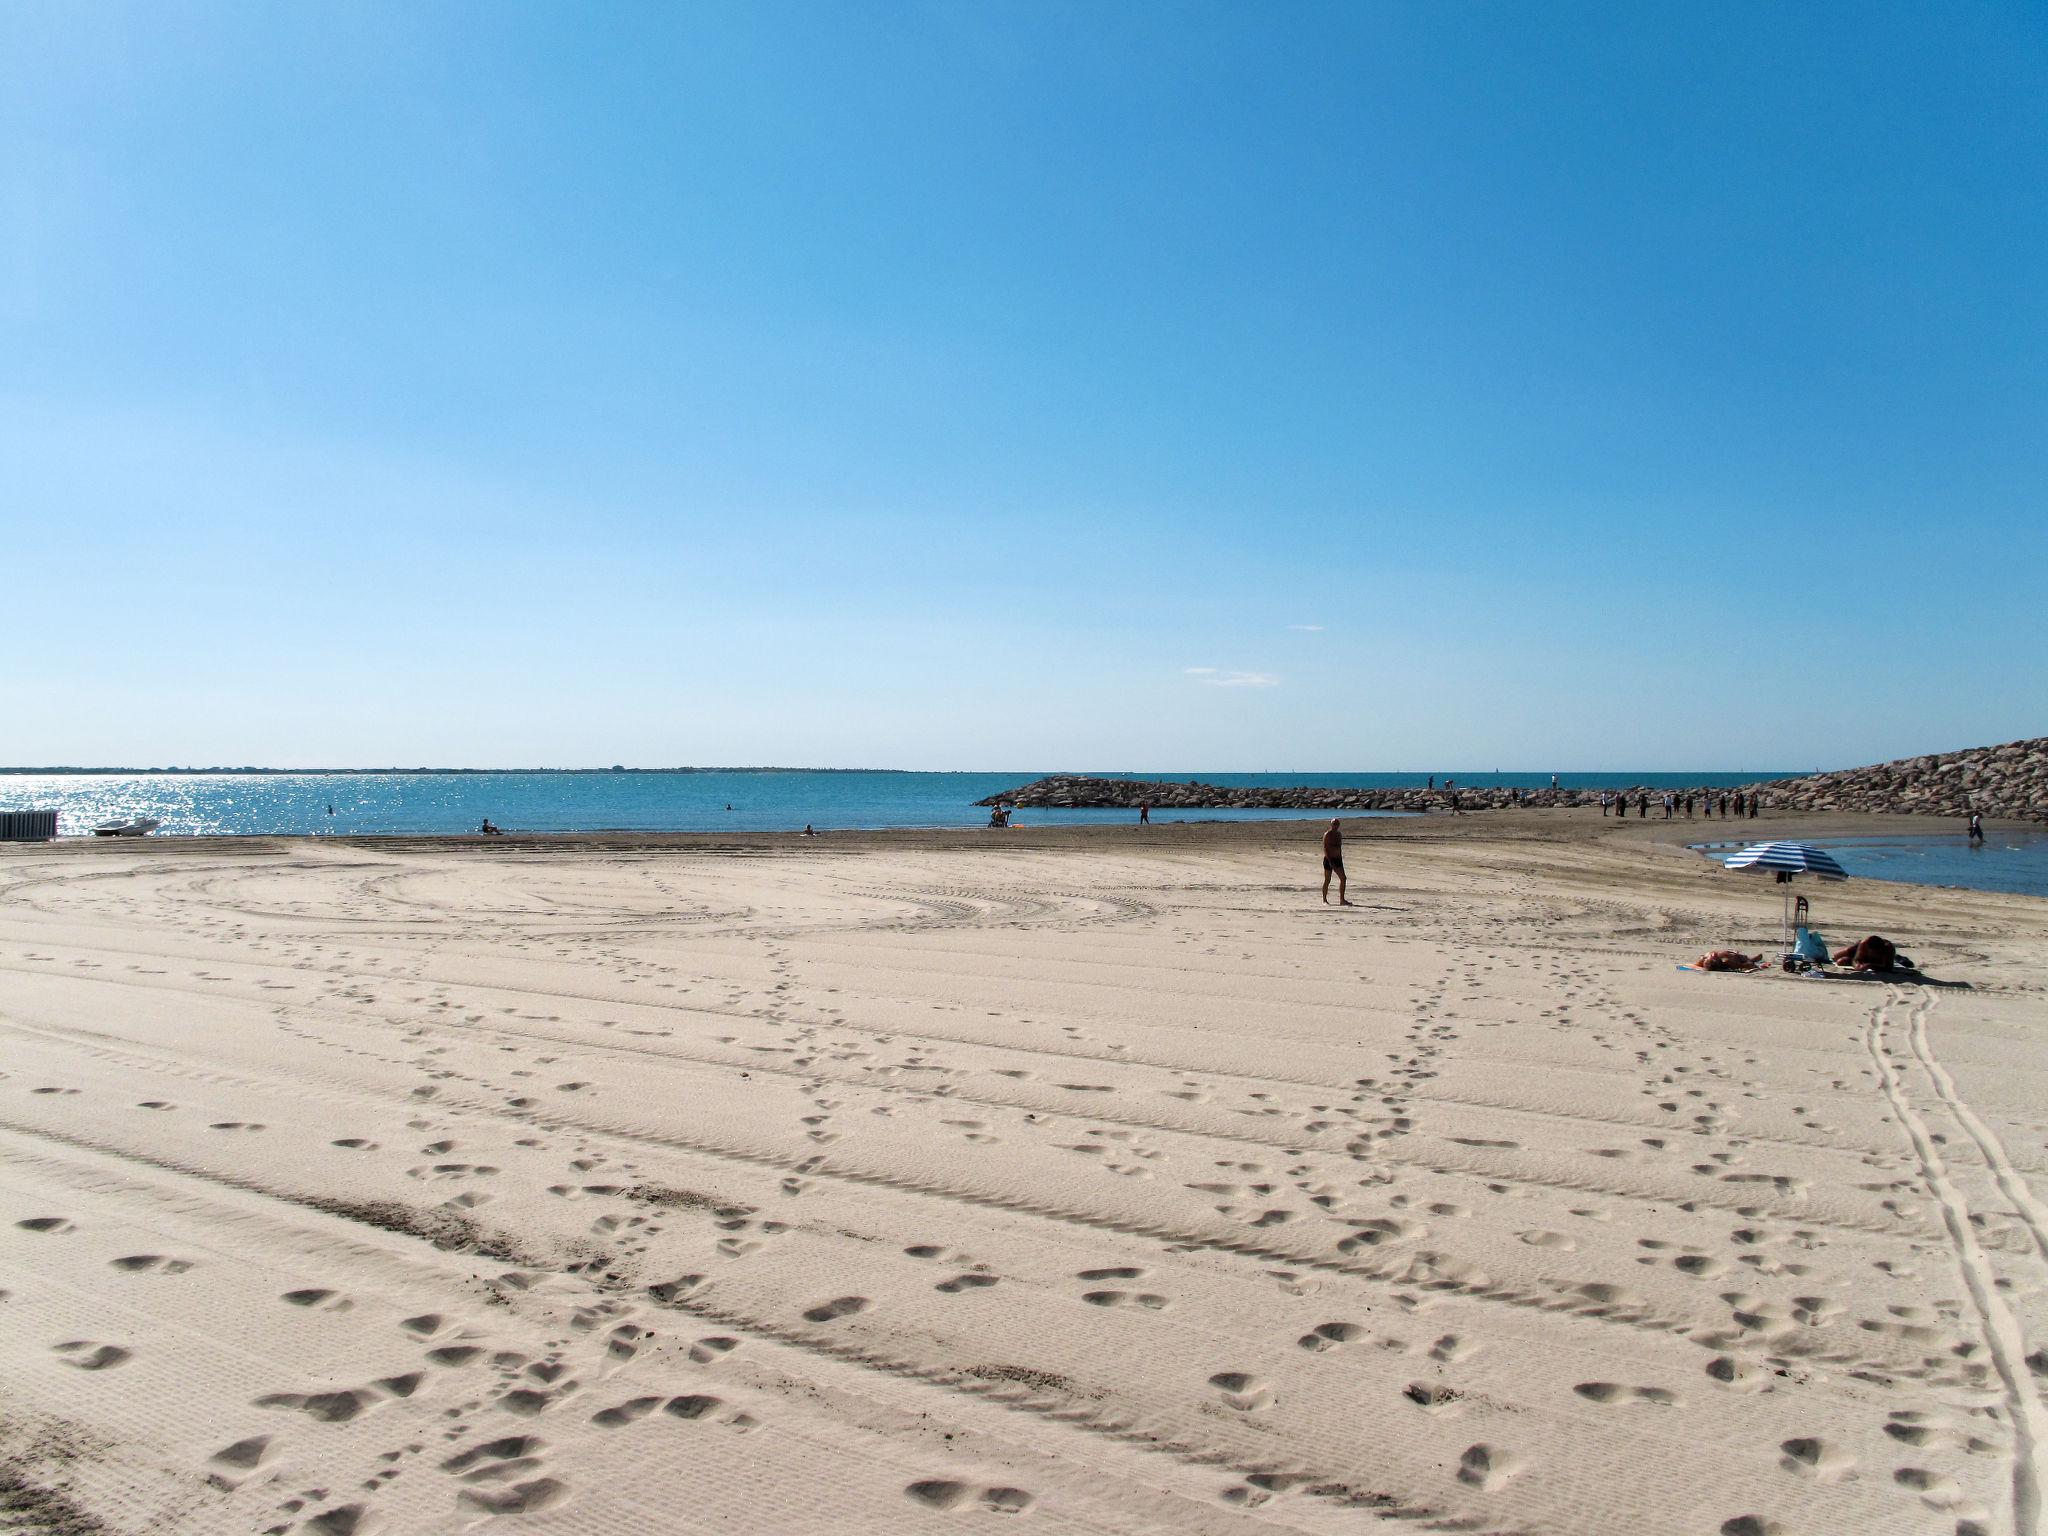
[139, 827]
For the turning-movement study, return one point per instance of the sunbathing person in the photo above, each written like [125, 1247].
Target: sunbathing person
[1729, 960]
[1871, 954]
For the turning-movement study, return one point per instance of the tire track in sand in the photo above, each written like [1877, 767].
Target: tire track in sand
[2002, 1335]
[2007, 1174]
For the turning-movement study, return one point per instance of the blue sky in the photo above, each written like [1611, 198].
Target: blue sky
[1227, 387]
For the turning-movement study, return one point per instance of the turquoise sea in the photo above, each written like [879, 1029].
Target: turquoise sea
[703, 800]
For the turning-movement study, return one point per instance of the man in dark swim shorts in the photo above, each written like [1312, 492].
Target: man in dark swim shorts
[1333, 862]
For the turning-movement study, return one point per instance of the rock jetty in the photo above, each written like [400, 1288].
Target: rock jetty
[2009, 781]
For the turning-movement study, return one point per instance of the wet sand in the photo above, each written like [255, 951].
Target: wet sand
[1098, 1179]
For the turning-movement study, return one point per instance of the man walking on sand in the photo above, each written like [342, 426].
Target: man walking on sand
[1333, 862]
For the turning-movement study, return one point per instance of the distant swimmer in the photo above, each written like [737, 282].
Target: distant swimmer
[1333, 862]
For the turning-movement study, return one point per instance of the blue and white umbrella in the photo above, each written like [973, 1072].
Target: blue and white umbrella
[1788, 859]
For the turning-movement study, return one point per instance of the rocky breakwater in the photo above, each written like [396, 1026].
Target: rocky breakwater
[1075, 792]
[2009, 781]
[2005, 781]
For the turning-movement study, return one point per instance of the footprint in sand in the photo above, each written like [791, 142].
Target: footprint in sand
[1937, 1490]
[89, 1356]
[838, 1307]
[625, 1413]
[942, 1494]
[701, 1405]
[1330, 1335]
[1487, 1467]
[317, 1296]
[497, 1460]
[1738, 1374]
[527, 1498]
[1146, 1299]
[1810, 1456]
[51, 1224]
[342, 1520]
[1242, 1391]
[231, 1464]
[1432, 1396]
[326, 1407]
[146, 1263]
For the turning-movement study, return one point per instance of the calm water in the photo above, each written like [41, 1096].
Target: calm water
[751, 800]
[2004, 861]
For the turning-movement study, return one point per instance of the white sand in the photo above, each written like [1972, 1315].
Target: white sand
[1112, 1187]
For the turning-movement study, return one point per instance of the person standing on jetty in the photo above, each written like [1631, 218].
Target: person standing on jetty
[1333, 862]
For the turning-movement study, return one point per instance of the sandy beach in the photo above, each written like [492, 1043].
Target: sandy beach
[1091, 1180]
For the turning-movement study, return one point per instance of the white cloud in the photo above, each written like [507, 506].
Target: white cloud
[1216, 678]
[1199, 671]
[1307, 629]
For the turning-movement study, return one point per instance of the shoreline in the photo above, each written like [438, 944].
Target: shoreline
[1290, 837]
[1564, 822]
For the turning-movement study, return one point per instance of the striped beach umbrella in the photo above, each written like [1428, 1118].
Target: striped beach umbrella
[1787, 860]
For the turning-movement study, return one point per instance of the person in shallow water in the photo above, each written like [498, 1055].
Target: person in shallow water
[1333, 862]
